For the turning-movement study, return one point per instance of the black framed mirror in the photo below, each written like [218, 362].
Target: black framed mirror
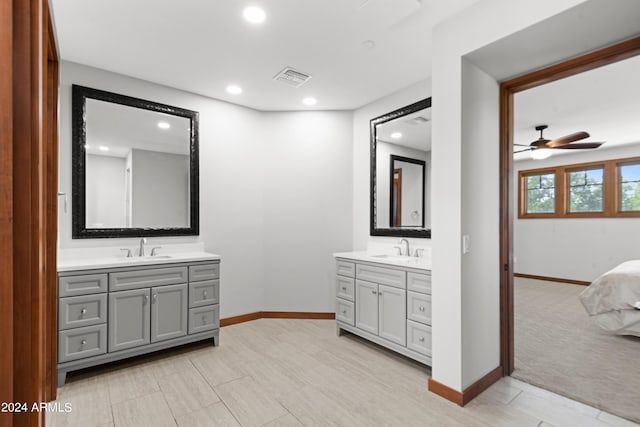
[135, 167]
[400, 172]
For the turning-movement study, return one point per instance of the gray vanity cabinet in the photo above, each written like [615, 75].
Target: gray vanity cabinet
[129, 319]
[390, 305]
[116, 313]
[169, 312]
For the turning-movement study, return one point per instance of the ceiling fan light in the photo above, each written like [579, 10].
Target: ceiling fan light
[541, 153]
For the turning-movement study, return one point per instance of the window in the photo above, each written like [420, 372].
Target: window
[601, 189]
[629, 178]
[586, 190]
[541, 193]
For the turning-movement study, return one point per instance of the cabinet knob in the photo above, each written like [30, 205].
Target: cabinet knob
[374, 292]
[83, 342]
[421, 339]
[344, 288]
[146, 298]
[204, 294]
[83, 311]
[380, 293]
[204, 320]
[421, 308]
[155, 297]
[344, 311]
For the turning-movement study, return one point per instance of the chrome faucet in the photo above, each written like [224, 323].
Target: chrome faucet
[406, 243]
[142, 242]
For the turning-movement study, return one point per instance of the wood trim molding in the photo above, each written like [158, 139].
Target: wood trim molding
[552, 279]
[6, 207]
[275, 315]
[590, 61]
[470, 393]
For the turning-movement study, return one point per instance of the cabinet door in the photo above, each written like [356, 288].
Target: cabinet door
[129, 319]
[169, 310]
[393, 314]
[367, 306]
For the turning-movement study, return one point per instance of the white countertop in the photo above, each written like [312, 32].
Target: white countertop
[92, 258]
[421, 263]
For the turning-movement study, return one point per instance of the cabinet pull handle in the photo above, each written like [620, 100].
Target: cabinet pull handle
[83, 311]
[155, 297]
[204, 294]
[204, 320]
[421, 308]
[146, 299]
[83, 343]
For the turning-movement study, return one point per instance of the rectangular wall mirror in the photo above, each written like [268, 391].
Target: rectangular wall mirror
[400, 172]
[135, 167]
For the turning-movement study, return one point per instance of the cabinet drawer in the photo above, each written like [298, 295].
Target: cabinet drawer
[204, 272]
[82, 285]
[419, 337]
[345, 311]
[381, 275]
[419, 307]
[418, 282]
[344, 268]
[82, 342]
[85, 310]
[204, 293]
[345, 288]
[204, 318]
[147, 278]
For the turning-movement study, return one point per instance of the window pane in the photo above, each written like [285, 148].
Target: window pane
[541, 193]
[630, 188]
[586, 190]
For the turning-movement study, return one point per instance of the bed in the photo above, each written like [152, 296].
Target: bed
[613, 299]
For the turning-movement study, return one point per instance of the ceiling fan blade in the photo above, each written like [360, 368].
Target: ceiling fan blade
[555, 143]
[522, 151]
[580, 146]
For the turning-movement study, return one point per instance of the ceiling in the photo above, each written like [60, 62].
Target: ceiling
[414, 130]
[605, 102]
[119, 128]
[201, 46]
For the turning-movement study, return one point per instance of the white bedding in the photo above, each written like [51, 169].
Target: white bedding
[612, 297]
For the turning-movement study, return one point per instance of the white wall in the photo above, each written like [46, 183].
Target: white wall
[307, 207]
[480, 221]
[240, 192]
[580, 248]
[361, 162]
[106, 191]
[452, 40]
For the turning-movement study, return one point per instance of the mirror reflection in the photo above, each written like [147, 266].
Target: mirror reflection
[401, 150]
[135, 167]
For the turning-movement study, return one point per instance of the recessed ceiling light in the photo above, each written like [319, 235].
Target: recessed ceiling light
[103, 148]
[164, 125]
[396, 135]
[309, 101]
[254, 14]
[234, 89]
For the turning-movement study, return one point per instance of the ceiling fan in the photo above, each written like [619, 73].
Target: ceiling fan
[541, 147]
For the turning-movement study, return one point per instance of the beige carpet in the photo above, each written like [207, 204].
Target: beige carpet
[559, 348]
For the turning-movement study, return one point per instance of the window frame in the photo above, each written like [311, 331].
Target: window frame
[611, 190]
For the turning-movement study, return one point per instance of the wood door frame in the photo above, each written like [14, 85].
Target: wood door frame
[590, 61]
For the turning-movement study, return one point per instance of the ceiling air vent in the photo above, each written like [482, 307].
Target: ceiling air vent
[417, 120]
[292, 77]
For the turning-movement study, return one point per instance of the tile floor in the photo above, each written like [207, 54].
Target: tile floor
[274, 372]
